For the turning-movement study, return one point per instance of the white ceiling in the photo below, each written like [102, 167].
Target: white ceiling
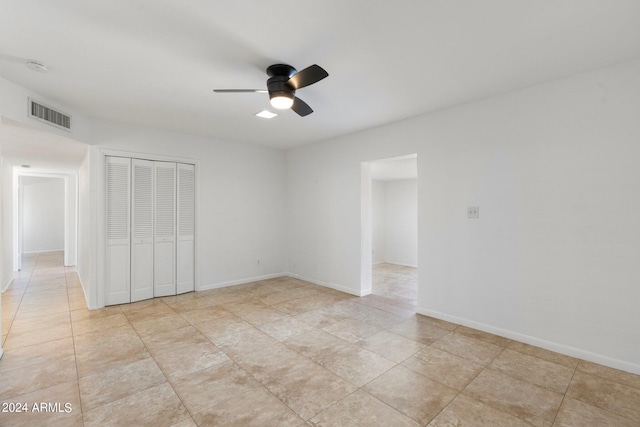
[155, 62]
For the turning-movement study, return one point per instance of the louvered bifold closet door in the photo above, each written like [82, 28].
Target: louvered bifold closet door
[164, 271]
[117, 260]
[142, 186]
[186, 228]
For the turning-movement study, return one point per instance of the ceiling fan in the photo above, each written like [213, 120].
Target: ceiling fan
[282, 84]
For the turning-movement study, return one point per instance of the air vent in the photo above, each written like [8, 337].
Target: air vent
[48, 115]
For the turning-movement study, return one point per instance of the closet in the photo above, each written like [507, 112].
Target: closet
[150, 229]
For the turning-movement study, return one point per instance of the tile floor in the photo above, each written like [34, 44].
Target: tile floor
[397, 283]
[280, 352]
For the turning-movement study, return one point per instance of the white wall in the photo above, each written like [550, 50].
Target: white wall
[395, 222]
[43, 205]
[552, 260]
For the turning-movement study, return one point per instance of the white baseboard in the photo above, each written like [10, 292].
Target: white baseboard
[84, 292]
[43, 251]
[398, 263]
[358, 293]
[527, 339]
[239, 281]
[1, 351]
[5, 287]
[287, 274]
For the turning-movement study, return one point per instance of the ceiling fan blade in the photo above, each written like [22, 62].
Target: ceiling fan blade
[301, 107]
[308, 76]
[240, 90]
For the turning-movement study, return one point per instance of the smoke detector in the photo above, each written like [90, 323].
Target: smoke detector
[36, 66]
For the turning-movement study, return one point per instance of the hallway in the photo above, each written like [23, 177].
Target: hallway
[39, 362]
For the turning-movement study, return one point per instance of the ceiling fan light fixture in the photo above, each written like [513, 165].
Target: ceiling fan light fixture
[281, 100]
[282, 85]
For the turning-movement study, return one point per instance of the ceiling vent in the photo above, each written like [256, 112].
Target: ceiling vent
[48, 115]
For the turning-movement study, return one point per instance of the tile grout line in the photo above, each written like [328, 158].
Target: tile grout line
[470, 381]
[248, 373]
[168, 381]
[607, 410]
[15, 314]
[75, 355]
[310, 359]
[346, 343]
[564, 395]
[150, 356]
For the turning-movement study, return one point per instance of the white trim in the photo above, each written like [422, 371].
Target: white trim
[103, 152]
[239, 281]
[49, 250]
[86, 300]
[527, 339]
[285, 274]
[8, 285]
[366, 229]
[70, 231]
[351, 291]
[366, 222]
[17, 223]
[397, 263]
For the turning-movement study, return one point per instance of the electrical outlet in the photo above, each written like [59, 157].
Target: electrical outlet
[473, 212]
[258, 263]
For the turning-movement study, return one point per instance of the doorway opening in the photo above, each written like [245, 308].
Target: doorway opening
[390, 219]
[45, 215]
[41, 218]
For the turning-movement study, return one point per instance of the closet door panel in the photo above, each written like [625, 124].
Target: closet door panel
[186, 228]
[142, 187]
[117, 277]
[118, 229]
[164, 272]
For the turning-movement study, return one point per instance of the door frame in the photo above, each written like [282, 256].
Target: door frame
[366, 221]
[70, 213]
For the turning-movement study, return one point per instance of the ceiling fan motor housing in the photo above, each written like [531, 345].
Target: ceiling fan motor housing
[277, 82]
[281, 70]
[278, 86]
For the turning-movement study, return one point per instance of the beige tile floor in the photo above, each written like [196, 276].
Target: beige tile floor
[277, 353]
[397, 283]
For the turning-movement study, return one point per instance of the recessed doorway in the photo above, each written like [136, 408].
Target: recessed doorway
[390, 223]
[44, 215]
